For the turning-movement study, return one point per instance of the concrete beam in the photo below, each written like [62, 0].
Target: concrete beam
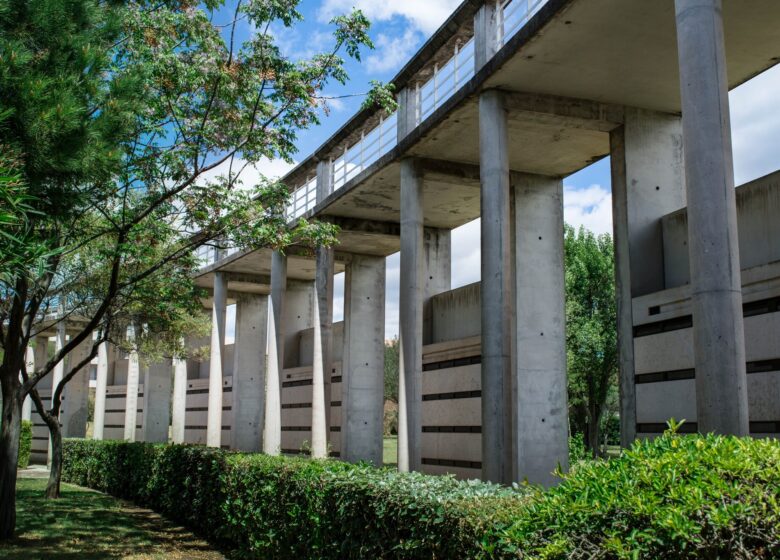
[562, 112]
[157, 402]
[363, 360]
[541, 391]
[716, 290]
[497, 307]
[249, 365]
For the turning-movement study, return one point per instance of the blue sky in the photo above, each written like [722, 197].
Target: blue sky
[399, 28]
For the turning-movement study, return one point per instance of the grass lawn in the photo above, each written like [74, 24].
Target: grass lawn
[390, 450]
[84, 524]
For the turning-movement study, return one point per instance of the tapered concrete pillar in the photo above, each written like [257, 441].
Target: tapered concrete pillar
[716, 289]
[216, 368]
[30, 368]
[179, 400]
[321, 363]
[40, 357]
[363, 359]
[249, 372]
[157, 401]
[133, 381]
[101, 382]
[412, 283]
[541, 406]
[60, 339]
[648, 182]
[75, 397]
[272, 425]
[497, 303]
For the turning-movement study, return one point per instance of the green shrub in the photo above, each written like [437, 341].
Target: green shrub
[674, 497]
[25, 444]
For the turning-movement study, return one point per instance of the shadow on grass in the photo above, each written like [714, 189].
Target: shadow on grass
[89, 525]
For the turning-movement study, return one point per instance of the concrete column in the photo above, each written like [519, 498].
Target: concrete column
[60, 339]
[75, 397]
[363, 359]
[179, 400]
[496, 290]
[407, 111]
[157, 401]
[272, 425]
[647, 183]
[133, 380]
[216, 369]
[412, 284]
[486, 38]
[541, 406]
[41, 356]
[321, 363]
[437, 250]
[716, 289]
[299, 304]
[249, 372]
[30, 367]
[101, 383]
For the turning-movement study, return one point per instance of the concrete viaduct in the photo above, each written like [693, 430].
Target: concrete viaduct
[495, 110]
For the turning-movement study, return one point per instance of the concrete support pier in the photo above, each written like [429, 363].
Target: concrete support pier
[272, 424]
[363, 359]
[75, 397]
[179, 400]
[101, 382]
[216, 370]
[321, 360]
[157, 402]
[648, 182]
[412, 282]
[541, 397]
[249, 372]
[497, 305]
[133, 379]
[718, 330]
[30, 368]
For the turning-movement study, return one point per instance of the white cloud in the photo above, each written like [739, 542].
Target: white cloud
[590, 207]
[252, 174]
[755, 125]
[392, 51]
[424, 15]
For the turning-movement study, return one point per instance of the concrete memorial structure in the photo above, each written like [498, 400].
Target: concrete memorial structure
[496, 109]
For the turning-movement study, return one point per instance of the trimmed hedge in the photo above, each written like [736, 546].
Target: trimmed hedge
[25, 445]
[674, 497]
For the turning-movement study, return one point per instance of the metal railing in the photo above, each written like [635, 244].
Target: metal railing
[429, 96]
[303, 199]
[514, 14]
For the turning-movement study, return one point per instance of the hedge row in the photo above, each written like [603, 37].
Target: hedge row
[25, 445]
[675, 497]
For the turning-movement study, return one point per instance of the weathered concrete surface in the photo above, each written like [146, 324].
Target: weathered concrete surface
[216, 361]
[101, 382]
[363, 359]
[272, 424]
[249, 353]
[541, 407]
[75, 397]
[412, 284]
[497, 307]
[647, 183]
[322, 353]
[718, 329]
[157, 401]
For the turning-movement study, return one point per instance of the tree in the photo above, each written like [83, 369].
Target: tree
[135, 121]
[591, 332]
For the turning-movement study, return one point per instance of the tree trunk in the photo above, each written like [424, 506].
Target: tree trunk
[55, 470]
[592, 436]
[9, 456]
